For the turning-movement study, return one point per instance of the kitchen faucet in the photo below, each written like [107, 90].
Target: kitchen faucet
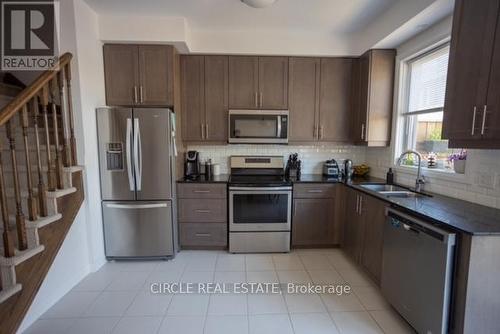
[420, 181]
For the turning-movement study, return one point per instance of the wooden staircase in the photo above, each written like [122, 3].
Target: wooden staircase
[40, 187]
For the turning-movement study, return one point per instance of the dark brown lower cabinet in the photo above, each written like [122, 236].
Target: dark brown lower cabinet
[313, 221]
[364, 221]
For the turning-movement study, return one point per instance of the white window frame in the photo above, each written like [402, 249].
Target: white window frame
[401, 99]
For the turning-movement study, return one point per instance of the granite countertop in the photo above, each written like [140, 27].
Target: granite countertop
[457, 214]
[222, 178]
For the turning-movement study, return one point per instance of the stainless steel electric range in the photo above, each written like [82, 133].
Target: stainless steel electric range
[260, 205]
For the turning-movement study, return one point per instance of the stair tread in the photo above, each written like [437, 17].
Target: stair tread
[50, 194]
[8, 292]
[20, 256]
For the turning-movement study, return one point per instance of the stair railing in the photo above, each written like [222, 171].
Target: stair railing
[42, 112]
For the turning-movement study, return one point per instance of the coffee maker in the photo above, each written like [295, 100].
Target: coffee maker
[192, 165]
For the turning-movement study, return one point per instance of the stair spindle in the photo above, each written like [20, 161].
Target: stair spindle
[20, 220]
[42, 195]
[51, 177]
[66, 149]
[55, 130]
[70, 115]
[8, 243]
[32, 207]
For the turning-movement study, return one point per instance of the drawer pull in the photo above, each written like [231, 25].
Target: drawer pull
[203, 234]
[201, 191]
[202, 211]
[315, 191]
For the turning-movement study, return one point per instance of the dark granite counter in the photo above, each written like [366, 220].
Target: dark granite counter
[454, 213]
[222, 178]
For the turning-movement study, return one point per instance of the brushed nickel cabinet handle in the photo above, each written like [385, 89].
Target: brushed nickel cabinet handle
[202, 131]
[141, 96]
[203, 234]
[256, 100]
[360, 205]
[201, 191]
[363, 131]
[260, 99]
[135, 94]
[483, 124]
[315, 191]
[314, 131]
[357, 204]
[202, 211]
[206, 130]
[321, 132]
[473, 130]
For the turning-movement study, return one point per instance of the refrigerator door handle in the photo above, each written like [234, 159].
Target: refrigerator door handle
[136, 206]
[128, 152]
[137, 154]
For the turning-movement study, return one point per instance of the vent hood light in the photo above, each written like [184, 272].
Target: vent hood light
[258, 3]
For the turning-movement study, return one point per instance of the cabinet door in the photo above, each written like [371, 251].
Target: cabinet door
[335, 99]
[352, 226]
[303, 92]
[193, 97]
[491, 117]
[243, 82]
[273, 82]
[216, 98]
[355, 122]
[373, 214]
[155, 75]
[470, 57]
[313, 221]
[121, 74]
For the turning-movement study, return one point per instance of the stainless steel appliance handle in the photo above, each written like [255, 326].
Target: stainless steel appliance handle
[137, 154]
[136, 206]
[278, 127]
[473, 130]
[260, 188]
[128, 153]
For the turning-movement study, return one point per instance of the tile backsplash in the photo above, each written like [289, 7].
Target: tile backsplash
[312, 156]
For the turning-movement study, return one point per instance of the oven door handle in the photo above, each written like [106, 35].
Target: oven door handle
[260, 188]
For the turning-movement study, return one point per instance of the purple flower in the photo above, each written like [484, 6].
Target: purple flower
[458, 156]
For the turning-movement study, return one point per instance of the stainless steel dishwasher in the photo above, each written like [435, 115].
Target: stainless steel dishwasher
[417, 271]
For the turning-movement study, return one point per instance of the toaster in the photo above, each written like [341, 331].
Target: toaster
[331, 168]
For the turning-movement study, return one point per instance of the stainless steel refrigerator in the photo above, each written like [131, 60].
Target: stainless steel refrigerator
[136, 162]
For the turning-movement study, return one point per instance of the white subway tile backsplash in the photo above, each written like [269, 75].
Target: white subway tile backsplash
[312, 156]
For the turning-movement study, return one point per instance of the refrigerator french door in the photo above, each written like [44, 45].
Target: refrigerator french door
[136, 165]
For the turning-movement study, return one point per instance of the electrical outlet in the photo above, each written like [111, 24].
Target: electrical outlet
[486, 180]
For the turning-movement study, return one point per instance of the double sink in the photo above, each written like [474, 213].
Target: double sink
[390, 190]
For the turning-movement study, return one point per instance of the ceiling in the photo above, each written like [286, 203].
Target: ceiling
[294, 27]
[334, 16]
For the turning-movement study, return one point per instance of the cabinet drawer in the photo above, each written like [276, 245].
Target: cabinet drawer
[202, 210]
[199, 234]
[314, 190]
[206, 190]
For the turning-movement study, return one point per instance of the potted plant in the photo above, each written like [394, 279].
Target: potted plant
[458, 160]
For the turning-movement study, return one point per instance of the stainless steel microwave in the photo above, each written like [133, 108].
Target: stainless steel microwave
[258, 126]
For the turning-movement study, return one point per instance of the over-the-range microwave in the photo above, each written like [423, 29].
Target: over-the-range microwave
[258, 126]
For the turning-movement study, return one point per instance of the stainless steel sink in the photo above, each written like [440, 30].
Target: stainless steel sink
[390, 190]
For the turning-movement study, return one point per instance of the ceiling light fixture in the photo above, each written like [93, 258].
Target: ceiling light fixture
[258, 3]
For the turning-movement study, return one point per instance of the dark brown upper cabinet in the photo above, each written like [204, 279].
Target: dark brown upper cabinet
[258, 82]
[334, 100]
[372, 98]
[472, 104]
[139, 75]
[319, 99]
[204, 91]
[303, 98]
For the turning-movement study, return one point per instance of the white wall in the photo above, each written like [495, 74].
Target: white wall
[312, 156]
[83, 249]
[481, 182]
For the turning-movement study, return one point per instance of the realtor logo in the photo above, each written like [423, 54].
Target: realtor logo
[29, 36]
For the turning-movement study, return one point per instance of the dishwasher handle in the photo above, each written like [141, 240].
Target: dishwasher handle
[416, 225]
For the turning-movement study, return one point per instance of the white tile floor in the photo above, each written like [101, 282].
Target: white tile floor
[116, 299]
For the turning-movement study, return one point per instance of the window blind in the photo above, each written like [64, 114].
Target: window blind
[428, 81]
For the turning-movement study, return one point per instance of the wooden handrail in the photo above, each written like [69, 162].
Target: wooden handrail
[29, 92]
